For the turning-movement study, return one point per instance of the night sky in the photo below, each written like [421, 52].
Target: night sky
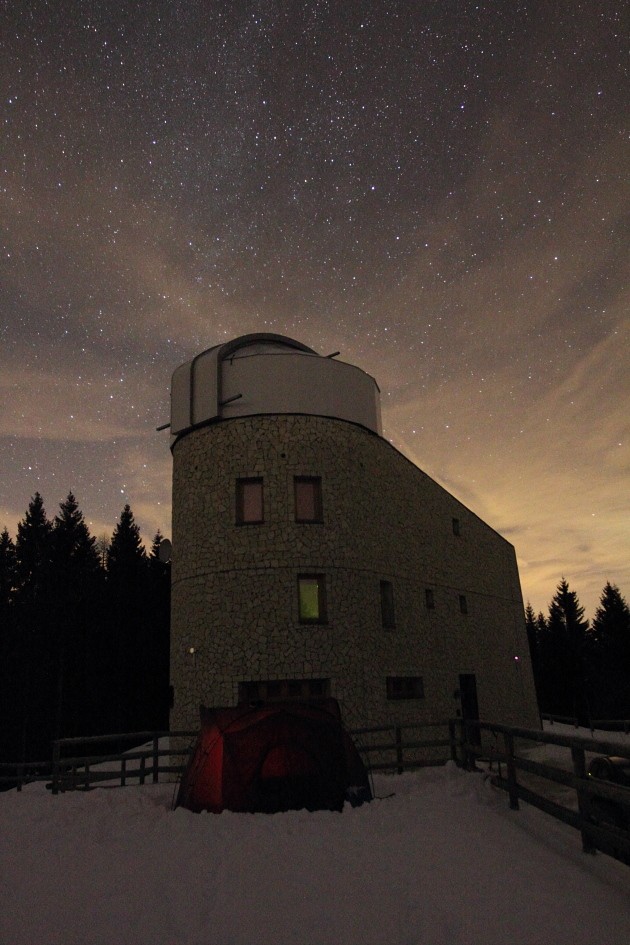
[437, 189]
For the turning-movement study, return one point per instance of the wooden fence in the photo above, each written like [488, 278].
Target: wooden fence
[506, 747]
[73, 769]
[403, 747]
[80, 763]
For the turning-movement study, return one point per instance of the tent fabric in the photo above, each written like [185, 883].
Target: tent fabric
[272, 757]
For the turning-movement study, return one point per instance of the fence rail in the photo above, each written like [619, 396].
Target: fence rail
[592, 807]
[604, 725]
[80, 763]
[77, 771]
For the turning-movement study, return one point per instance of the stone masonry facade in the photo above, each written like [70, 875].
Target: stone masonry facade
[457, 601]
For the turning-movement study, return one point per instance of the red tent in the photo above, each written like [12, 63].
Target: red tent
[272, 757]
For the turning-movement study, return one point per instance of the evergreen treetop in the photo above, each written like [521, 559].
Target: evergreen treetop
[126, 553]
[611, 622]
[73, 545]
[566, 614]
[33, 544]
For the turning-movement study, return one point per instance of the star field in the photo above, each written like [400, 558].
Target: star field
[438, 190]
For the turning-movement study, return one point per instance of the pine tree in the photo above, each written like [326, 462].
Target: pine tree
[157, 641]
[72, 542]
[530, 623]
[35, 672]
[126, 556]
[611, 628]
[33, 549]
[127, 590]
[536, 627]
[565, 646]
[75, 604]
[8, 650]
[612, 616]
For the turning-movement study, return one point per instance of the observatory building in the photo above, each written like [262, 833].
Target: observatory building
[311, 558]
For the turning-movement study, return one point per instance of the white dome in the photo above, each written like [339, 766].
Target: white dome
[270, 374]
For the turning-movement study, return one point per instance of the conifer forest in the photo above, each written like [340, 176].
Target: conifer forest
[581, 668]
[84, 632]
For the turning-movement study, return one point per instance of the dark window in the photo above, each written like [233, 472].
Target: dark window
[457, 529]
[430, 598]
[463, 604]
[249, 501]
[405, 687]
[387, 604]
[308, 498]
[312, 598]
[274, 690]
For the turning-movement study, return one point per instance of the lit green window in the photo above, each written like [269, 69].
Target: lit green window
[312, 598]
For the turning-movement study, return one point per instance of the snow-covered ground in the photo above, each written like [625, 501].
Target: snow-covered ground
[438, 860]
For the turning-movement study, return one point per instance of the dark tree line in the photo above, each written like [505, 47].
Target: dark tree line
[582, 670]
[84, 632]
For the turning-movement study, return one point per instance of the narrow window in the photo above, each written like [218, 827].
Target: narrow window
[405, 687]
[249, 501]
[463, 604]
[430, 598]
[387, 604]
[457, 529]
[308, 498]
[312, 598]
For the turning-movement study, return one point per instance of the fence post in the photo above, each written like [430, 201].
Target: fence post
[55, 767]
[511, 771]
[123, 772]
[155, 759]
[470, 760]
[460, 743]
[399, 750]
[142, 768]
[452, 739]
[579, 770]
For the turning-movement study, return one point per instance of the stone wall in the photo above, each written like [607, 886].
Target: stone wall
[234, 588]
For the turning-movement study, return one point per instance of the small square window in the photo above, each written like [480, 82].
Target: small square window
[430, 598]
[249, 501]
[387, 605]
[457, 528]
[312, 598]
[405, 687]
[308, 499]
[463, 604]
